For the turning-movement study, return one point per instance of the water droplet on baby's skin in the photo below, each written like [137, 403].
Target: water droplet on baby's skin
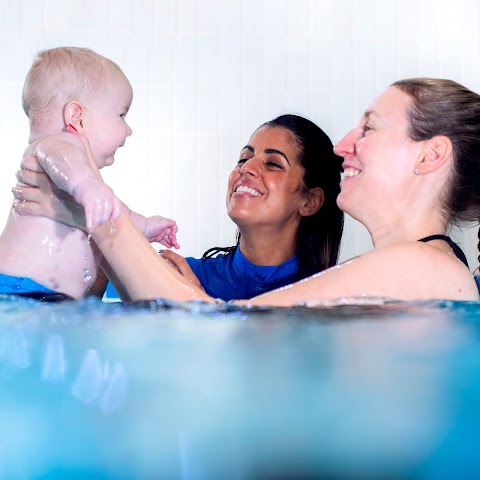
[112, 229]
[86, 275]
[89, 237]
[15, 204]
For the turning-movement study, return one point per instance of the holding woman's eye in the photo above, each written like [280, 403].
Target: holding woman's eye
[366, 128]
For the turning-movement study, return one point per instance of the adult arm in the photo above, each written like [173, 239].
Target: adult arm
[143, 275]
[403, 271]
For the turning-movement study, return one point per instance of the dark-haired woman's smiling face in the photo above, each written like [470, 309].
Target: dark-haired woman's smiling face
[265, 187]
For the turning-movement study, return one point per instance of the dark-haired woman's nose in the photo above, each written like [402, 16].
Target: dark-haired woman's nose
[250, 167]
[346, 145]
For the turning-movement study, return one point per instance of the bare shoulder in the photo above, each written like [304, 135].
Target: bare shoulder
[432, 273]
[402, 271]
[416, 255]
[52, 142]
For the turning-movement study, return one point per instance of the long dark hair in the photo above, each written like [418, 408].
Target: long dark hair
[319, 235]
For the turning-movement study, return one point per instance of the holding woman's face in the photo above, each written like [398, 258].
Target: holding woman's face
[379, 158]
[266, 186]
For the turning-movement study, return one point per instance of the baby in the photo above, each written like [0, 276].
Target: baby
[76, 90]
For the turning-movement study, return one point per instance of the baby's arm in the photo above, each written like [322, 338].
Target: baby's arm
[161, 230]
[63, 158]
[155, 229]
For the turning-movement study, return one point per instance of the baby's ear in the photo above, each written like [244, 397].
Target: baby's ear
[73, 114]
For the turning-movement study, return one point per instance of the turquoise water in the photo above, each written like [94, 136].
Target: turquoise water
[155, 390]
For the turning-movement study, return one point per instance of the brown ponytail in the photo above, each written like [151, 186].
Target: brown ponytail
[478, 247]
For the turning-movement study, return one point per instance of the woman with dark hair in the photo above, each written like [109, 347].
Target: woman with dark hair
[282, 197]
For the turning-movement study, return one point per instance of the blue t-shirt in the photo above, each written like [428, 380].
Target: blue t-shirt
[235, 277]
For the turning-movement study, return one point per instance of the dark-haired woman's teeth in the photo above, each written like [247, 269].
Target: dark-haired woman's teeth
[244, 189]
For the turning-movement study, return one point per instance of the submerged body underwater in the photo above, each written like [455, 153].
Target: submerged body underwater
[164, 390]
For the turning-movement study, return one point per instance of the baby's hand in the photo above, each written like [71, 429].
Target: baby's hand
[161, 230]
[100, 203]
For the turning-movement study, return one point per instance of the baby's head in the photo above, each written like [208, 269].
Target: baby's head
[78, 86]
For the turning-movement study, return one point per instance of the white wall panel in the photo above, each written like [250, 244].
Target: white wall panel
[206, 73]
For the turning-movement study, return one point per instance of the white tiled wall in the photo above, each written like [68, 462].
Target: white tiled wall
[206, 73]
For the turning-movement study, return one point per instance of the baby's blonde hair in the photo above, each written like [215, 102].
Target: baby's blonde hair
[60, 75]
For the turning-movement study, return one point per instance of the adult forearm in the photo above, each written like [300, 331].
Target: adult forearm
[136, 267]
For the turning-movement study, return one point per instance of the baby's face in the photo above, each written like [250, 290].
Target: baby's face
[104, 123]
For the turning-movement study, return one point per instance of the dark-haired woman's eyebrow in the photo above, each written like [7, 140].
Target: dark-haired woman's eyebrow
[248, 147]
[274, 150]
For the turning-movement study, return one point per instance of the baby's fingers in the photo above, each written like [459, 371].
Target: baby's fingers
[173, 237]
[165, 241]
[173, 241]
[169, 239]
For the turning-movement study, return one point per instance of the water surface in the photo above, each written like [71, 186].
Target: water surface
[193, 391]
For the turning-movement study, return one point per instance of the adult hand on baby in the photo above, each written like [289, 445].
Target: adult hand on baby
[161, 230]
[179, 262]
[37, 195]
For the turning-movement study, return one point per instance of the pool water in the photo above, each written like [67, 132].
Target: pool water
[193, 391]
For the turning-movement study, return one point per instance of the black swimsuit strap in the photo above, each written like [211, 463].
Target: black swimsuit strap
[456, 249]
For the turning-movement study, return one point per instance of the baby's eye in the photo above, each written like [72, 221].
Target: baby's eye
[123, 115]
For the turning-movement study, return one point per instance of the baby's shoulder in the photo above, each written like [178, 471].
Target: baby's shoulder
[57, 139]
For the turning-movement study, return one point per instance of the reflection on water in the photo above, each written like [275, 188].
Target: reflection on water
[87, 384]
[192, 391]
[54, 363]
[15, 346]
[97, 382]
[114, 397]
